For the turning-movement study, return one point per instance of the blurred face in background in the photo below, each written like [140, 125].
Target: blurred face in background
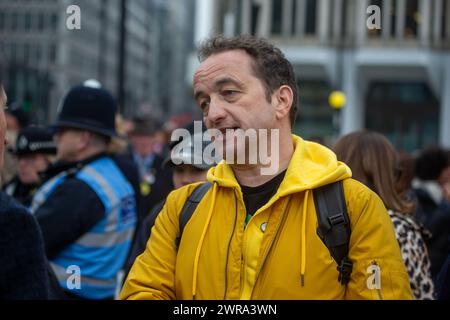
[445, 176]
[11, 123]
[29, 167]
[69, 143]
[444, 180]
[142, 144]
[159, 142]
[3, 140]
[12, 128]
[186, 174]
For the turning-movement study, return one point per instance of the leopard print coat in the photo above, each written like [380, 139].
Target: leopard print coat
[415, 255]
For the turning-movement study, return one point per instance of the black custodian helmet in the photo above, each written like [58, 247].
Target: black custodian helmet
[33, 140]
[89, 108]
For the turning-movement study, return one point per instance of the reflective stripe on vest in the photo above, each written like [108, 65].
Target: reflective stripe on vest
[64, 274]
[44, 191]
[101, 252]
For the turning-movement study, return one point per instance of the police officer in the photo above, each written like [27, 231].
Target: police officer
[34, 149]
[86, 208]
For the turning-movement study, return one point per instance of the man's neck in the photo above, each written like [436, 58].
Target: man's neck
[250, 175]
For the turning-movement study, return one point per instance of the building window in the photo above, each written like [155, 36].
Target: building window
[255, 12]
[3, 49]
[445, 25]
[52, 54]
[393, 18]
[26, 53]
[2, 20]
[38, 53]
[414, 113]
[41, 22]
[13, 56]
[344, 17]
[412, 18]
[315, 119]
[20, 53]
[19, 22]
[14, 21]
[54, 21]
[239, 17]
[27, 21]
[294, 17]
[311, 12]
[277, 13]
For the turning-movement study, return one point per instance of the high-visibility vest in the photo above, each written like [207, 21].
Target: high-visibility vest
[98, 255]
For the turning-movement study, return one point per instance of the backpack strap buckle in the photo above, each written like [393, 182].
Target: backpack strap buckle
[337, 219]
[345, 270]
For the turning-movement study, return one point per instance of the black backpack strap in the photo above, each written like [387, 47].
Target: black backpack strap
[334, 226]
[190, 205]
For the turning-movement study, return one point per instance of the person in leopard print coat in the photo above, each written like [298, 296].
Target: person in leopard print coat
[415, 254]
[374, 162]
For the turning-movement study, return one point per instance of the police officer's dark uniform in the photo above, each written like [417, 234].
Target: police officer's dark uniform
[30, 141]
[87, 209]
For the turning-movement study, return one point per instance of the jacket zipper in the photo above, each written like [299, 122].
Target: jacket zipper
[228, 250]
[266, 252]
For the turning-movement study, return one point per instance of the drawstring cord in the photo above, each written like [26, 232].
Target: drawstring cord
[303, 253]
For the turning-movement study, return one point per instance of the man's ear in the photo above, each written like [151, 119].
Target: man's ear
[84, 139]
[283, 98]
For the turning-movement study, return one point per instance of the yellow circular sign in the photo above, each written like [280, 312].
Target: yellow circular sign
[337, 99]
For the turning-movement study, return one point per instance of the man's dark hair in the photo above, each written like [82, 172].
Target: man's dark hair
[430, 163]
[269, 63]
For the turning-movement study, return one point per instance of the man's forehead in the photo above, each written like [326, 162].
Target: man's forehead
[224, 62]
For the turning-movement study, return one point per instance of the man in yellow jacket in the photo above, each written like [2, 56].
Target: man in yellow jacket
[253, 235]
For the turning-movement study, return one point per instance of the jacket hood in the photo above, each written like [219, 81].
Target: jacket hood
[312, 165]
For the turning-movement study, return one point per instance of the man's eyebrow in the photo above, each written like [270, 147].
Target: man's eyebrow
[220, 83]
[197, 94]
[228, 80]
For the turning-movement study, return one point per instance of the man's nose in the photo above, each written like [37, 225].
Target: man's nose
[216, 112]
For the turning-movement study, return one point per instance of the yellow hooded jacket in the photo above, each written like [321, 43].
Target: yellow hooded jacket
[278, 255]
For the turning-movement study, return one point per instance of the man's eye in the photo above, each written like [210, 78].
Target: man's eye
[204, 104]
[228, 93]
